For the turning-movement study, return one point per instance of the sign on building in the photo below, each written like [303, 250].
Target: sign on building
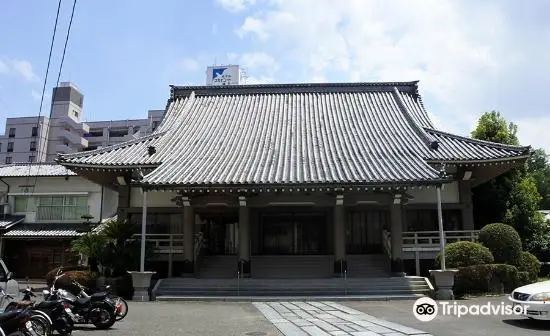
[223, 75]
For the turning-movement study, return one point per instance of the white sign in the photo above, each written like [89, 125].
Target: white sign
[223, 75]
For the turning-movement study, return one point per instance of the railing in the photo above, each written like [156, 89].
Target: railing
[165, 243]
[428, 240]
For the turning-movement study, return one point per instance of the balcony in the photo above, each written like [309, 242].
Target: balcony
[427, 242]
[64, 149]
[80, 128]
[75, 140]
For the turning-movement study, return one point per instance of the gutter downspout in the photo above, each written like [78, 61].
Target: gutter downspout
[101, 206]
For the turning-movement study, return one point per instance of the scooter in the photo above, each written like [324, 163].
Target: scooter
[35, 322]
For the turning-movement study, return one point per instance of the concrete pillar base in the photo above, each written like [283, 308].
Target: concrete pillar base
[444, 282]
[141, 282]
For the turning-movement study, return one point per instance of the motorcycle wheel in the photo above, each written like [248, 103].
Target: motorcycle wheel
[121, 307]
[102, 316]
[39, 326]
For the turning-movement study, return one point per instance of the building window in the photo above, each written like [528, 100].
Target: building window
[95, 133]
[12, 133]
[33, 146]
[49, 208]
[155, 125]
[8, 159]
[32, 158]
[0, 147]
[118, 133]
[10, 147]
[34, 131]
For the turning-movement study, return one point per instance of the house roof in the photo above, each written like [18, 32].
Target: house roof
[366, 133]
[7, 221]
[46, 230]
[34, 169]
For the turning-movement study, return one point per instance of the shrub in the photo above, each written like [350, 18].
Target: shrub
[530, 264]
[465, 253]
[490, 278]
[50, 276]
[503, 241]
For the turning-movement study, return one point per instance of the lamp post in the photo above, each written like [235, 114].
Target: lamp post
[444, 278]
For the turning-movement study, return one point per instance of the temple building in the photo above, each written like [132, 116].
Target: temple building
[296, 180]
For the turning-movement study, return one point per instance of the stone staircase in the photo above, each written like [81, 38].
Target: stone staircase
[386, 288]
[292, 266]
[218, 267]
[368, 266]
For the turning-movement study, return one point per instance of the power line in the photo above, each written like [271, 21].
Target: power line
[45, 81]
[58, 77]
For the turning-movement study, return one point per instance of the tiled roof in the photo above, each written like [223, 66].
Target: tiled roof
[33, 169]
[457, 148]
[133, 152]
[7, 221]
[357, 133]
[47, 230]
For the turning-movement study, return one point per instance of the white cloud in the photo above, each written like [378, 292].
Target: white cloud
[189, 65]
[259, 61]
[3, 67]
[534, 131]
[259, 80]
[469, 56]
[235, 5]
[24, 68]
[36, 95]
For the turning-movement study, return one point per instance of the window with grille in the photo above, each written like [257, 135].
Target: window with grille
[32, 158]
[8, 159]
[12, 132]
[34, 131]
[65, 208]
[32, 147]
[10, 146]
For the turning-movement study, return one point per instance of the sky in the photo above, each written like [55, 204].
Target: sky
[470, 56]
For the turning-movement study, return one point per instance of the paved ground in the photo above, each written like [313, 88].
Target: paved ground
[310, 318]
[401, 312]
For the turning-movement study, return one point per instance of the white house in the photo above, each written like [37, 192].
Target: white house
[43, 208]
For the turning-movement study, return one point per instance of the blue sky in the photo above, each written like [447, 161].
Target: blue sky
[470, 56]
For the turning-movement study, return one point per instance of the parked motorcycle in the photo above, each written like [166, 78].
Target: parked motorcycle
[24, 320]
[120, 304]
[58, 312]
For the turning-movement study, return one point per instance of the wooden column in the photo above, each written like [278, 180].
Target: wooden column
[340, 264]
[188, 235]
[465, 194]
[244, 264]
[396, 229]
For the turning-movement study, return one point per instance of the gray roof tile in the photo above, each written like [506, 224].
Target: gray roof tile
[366, 133]
[46, 230]
[7, 221]
[33, 169]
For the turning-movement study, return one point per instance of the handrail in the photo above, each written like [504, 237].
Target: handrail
[427, 240]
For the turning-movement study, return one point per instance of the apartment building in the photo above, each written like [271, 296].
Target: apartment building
[40, 139]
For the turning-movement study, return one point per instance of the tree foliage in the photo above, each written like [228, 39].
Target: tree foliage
[515, 197]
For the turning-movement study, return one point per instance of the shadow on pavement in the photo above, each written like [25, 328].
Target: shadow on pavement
[528, 324]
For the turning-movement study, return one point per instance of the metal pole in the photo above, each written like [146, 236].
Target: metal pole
[143, 230]
[441, 232]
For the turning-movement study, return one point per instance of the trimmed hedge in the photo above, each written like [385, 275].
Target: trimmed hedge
[503, 241]
[529, 264]
[80, 274]
[465, 253]
[490, 278]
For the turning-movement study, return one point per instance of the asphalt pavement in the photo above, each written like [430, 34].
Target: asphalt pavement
[227, 318]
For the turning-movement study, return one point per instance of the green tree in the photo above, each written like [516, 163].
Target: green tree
[523, 204]
[493, 127]
[491, 198]
[539, 167]
[91, 245]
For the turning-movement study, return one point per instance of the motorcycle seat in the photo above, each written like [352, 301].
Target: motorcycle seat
[9, 315]
[98, 296]
[82, 301]
[47, 304]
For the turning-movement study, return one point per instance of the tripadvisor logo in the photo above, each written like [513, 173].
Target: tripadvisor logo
[426, 309]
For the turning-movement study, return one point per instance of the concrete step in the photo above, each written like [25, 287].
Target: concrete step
[288, 267]
[391, 286]
[218, 267]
